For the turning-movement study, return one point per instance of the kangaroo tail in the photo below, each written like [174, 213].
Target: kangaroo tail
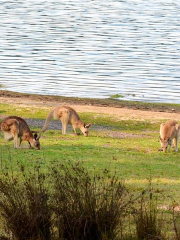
[48, 119]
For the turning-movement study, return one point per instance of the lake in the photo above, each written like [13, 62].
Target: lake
[92, 48]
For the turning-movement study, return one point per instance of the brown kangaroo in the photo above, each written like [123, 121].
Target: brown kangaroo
[67, 115]
[169, 131]
[14, 127]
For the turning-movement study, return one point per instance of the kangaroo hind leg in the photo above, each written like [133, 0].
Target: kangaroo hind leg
[175, 144]
[64, 121]
[177, 137]
[15, 133]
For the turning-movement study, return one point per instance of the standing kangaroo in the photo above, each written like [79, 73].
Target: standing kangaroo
[67, 115]
[14, 127]
[169, 131]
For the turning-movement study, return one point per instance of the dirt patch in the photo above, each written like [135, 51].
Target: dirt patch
[118, 134]
[118, 109]
[108, 102]
[56, 125]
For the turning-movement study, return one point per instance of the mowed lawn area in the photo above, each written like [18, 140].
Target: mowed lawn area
[127, 147]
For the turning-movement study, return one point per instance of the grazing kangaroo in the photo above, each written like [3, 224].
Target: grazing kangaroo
[67, 115]
[14, 127]
[169, 131]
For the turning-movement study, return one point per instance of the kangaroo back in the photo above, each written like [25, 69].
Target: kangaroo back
[8, 123]
[5, 126]
[61, 112]
[169, 132]
[10, 129]
[168, 129]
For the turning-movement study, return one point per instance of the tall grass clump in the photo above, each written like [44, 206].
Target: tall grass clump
[148, 221]
[67, 201]
[88, 207]
[176, 223]
[24, 208]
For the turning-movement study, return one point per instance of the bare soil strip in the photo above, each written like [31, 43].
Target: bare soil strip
[116, 109]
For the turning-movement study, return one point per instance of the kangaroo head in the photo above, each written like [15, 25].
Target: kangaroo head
[165, 143]
[84, 129]
[35, 143]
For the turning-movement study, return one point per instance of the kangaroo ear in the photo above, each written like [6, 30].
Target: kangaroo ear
[160, 138]
[38, 137]
[35, 136]
[177, 127]
[87, 125]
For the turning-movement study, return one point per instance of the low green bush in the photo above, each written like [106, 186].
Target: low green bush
[69, 202]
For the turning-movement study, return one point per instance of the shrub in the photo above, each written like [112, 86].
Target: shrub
[73, 204]
[24, 206]
[176, 223]
[88, 207]
[148, 226]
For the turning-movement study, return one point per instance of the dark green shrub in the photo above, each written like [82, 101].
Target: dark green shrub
[72, 203]
[24, 206]
[176, 223]
[88, 207]
[147, 220]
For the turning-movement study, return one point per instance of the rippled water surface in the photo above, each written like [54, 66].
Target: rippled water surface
[92, 48]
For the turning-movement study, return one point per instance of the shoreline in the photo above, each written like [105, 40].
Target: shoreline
[108, 102]
[115, 109]
[120, 110]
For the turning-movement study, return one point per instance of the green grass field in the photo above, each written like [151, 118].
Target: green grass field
[135, 159]
[128, 149]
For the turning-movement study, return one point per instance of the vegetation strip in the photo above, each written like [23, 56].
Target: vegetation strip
[148, 177]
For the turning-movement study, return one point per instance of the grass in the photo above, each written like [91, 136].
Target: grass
[135, 159]
[132, 162]
[64, 203]
[72, 202]
[26, 112]
[116, 124]
[116, 96]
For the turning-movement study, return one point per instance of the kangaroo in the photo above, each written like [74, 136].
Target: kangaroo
[14, 127]
[169, 131]
[67, 115]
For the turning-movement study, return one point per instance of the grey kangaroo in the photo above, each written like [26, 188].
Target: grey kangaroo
[14, 127]
[67, 115]
[169, 132]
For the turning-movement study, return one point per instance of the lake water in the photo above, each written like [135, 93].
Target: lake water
[92, 48]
